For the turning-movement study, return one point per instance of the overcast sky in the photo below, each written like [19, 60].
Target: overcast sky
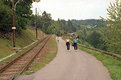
[73, 9]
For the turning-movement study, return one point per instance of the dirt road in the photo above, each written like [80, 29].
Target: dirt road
[71, 65]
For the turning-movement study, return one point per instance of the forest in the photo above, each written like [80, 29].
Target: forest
[100, 33]
[22, 15]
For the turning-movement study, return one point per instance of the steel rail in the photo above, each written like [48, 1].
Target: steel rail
[24, 54]
[31, 60]
[11, 62]
[105, 52]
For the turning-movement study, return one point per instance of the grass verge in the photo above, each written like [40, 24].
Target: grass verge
[25, 38]
[48, 54]
[113, 64]
[16, 55]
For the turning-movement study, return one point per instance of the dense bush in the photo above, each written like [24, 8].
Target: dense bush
[5, 18]
[22, 15]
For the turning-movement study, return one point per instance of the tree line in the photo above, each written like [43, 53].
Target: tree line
[22, 15]
[102, 33]
[107, 38]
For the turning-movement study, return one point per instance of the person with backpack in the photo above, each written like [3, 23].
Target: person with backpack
[75, 43]
[68, 43]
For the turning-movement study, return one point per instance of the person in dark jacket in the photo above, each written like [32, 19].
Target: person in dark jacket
[75, 43]
[68, 43]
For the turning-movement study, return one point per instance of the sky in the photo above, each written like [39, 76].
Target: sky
[73, 9]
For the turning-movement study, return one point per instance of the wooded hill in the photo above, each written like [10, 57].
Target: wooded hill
[103, 33]
[91, 22]
[22, 15]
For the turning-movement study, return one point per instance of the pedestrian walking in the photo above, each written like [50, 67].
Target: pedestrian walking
[68, 43]
[75, 43]
[58, 39]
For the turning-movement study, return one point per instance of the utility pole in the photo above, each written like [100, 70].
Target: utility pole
[13, 25]
[36, 25]
[54, 30]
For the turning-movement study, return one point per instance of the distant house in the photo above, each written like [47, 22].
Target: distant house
[108, 25]
[63, 32]
[89, 26]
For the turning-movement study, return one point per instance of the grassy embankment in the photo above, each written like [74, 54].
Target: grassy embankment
[47, 55]
[24, 39]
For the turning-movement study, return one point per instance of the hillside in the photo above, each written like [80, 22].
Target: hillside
[25, 38]
[91, 22]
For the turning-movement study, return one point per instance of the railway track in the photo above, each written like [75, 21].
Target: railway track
[17, 66]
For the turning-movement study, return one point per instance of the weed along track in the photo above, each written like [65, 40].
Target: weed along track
[14, 68]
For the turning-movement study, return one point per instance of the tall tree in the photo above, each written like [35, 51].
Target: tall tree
[113, 39]
[95, 39]
[114, 14]
[5, 18]
[22, 13]
[46, 22]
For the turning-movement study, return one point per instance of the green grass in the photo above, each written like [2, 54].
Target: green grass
[113, 64]
[64, 37]
[4, 48]
[38, 65]
[47, 57]
[16, 55]
[25, 38]
[22, 40]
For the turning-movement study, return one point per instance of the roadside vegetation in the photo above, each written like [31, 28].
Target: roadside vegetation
[101, 33]
[46, 55]
[24, 39]
[111, 63]
[104, 34]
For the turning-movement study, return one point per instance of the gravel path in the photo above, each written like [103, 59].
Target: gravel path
[71, 65]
